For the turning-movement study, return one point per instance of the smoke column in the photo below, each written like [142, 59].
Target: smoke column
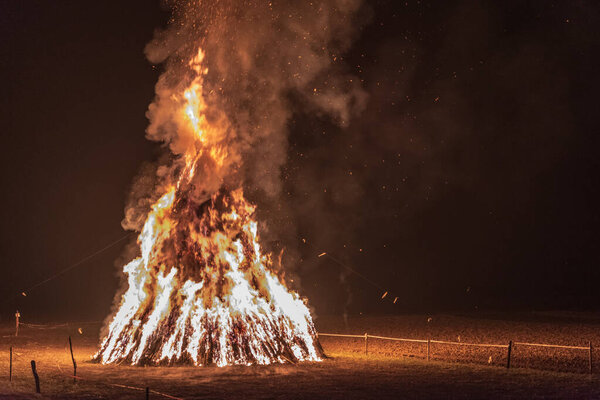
[257, 55]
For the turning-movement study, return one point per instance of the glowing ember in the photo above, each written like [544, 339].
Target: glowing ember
[202, 291]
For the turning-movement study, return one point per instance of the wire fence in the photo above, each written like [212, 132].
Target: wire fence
[136, 388]
[17, 362]
[428, 352]
[57, 326]
[509, 347]
[14, 356]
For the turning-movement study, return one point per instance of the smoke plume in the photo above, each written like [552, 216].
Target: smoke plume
[260, 57]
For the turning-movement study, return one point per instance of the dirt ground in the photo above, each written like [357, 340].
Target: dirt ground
[389, 370]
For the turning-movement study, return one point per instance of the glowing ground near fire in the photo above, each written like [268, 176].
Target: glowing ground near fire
[346, 374]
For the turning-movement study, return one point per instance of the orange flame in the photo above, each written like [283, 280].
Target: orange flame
[202, 291]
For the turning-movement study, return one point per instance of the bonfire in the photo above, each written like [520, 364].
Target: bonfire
[202, 291]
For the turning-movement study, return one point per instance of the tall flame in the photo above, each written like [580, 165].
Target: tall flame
[202, 291]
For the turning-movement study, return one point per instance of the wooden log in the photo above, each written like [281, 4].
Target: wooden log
[35, 376]
[509, 351]
[73, 359]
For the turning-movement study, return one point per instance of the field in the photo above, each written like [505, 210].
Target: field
[390, 370]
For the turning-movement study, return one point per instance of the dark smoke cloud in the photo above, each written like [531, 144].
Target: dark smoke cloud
[466, 110]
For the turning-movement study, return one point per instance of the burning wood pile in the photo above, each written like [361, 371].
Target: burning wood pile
[202, 291]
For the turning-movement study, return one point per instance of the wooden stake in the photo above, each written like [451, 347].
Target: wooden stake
[509, 351]
[147, 393]
[366, 344]
[17, 315]
[74, 363]
[35, 376]
[10, 368]
[428, 348]
[591, 370]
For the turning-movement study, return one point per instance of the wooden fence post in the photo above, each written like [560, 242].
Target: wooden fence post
[591, 370]
[508, 357]
[147, 393]
[35, 376]
[366, 344]
[17, 315]
[10, 368]
[74, 363]
[428, 348]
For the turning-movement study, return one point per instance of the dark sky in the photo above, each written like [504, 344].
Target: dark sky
[470, 179]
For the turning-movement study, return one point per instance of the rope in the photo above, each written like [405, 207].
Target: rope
[341, 264]
[452, 343]
[352, 270]
[469, 344]
[552, 345]
[54, 326]
[78, 263]
[168, 396]
[39, 326]
[398, 339]
[339, 335]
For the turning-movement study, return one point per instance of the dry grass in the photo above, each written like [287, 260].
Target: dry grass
[348, 374]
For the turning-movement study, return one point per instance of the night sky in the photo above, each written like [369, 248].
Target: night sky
[466, 180]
